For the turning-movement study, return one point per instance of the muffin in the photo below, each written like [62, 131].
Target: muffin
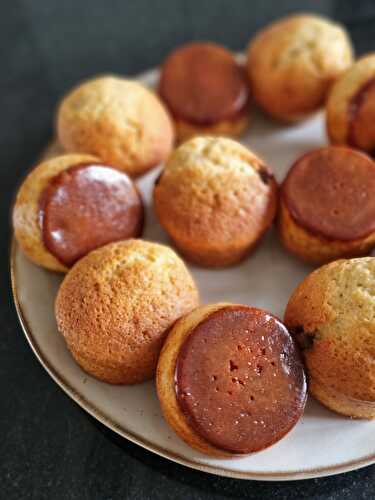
[215, 199]
[118, 120]
[72, 204]
[206, 91]
[332, 316]
[293, 62]
[115, 305]
[230, 380]
[351, 106]
[327, 205]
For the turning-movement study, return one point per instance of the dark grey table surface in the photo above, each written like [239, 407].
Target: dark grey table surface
[49, 448]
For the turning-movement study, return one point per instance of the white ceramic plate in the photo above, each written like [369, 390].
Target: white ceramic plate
[322, 443]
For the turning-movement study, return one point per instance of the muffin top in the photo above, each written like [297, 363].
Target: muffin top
[331, 192]
[213, 187]
[351, 106]
[239, 379]
[115, 304]
[203, 84]
[297, 58]
[332, 314]
[118, 120]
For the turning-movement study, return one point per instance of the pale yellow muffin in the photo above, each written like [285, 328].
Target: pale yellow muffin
[119, 120]
[215, 198]
[114, 307]
[350, 110]
[332, 315]
[26, 224]
[293, 62]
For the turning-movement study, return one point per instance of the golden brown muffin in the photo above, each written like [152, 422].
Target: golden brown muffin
[332, 315]
[206, 91]
[118, 120]
[351, 106]
[215, 199]
[115, 304]
[327, 205]
[72, 204]
[230, 380]
[293, 62]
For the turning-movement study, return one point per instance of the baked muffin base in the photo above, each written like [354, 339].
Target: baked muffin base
[231, 128]
[316, 249]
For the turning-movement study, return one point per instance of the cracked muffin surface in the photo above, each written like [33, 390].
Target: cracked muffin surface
[215, 198]
[120, 121]
[293, 62]
[114, 307]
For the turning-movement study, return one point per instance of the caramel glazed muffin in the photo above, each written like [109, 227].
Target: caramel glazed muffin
[351, 107]
[327, 205]
[230, 380]
[115, 305]
[118, 120]
[206, 91]
[293, 62]
[72, 204]
[215, 199]
[332, 316]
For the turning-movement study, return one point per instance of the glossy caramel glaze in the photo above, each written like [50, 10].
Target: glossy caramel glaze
[87, 206]
[331, 193]
[203, 84]
[239, 379]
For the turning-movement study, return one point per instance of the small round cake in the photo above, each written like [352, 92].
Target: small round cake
[351, 107]
[332, 316]
[230, 380]
[206, 90]
[215, 198]
[72, 204]
[118, 120]
[115, 305]
[293, 62]
[327, 205]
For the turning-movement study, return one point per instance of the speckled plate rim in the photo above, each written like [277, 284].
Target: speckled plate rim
[90, 407]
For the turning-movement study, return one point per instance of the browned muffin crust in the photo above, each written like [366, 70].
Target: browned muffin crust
[331, 314]
[350, 109]
[293, 62]
[115, 305]
[215, 198]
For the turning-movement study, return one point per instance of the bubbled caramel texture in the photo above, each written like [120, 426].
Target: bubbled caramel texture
[239, 380]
